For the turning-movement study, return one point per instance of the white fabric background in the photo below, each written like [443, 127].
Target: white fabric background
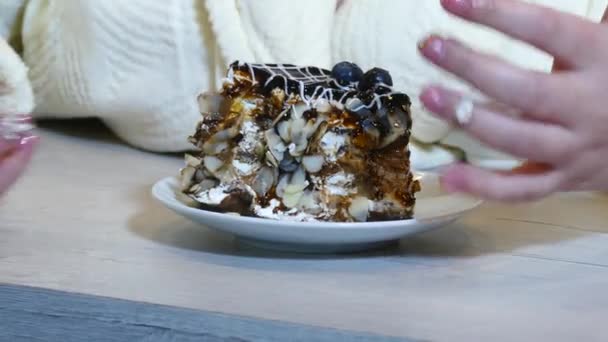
[139, 64]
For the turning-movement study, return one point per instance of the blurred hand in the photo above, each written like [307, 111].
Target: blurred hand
[15, 154]
[561, 124]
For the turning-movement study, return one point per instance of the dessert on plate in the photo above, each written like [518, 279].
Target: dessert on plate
[298, 143]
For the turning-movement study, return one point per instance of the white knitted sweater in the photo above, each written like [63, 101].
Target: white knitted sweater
[139, 64]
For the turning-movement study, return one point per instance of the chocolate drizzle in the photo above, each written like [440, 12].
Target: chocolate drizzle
[313, 83]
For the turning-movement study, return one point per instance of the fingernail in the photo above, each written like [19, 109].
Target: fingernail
[433, 48]
[432, 99]
[457, 5]
[465, 6]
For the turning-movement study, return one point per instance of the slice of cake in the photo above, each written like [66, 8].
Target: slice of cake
[303, 144]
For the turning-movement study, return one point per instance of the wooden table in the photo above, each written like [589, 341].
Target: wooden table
[83, 242]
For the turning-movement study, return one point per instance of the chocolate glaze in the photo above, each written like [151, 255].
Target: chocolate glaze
[312, 82]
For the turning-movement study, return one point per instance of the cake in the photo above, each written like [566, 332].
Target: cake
[295, 143]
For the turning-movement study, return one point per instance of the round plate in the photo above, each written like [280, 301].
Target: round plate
[433, 209]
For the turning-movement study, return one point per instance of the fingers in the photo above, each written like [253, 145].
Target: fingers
[14, 159]
[531, 92]
[562, 35]
[492, 125]
[504, 187]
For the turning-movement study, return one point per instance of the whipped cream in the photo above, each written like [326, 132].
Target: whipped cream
[340, 184]
[213, 196]
[272, 212]
[331, 143]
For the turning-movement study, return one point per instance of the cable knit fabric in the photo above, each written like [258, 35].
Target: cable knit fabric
[139, 64]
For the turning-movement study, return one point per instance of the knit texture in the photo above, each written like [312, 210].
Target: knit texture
[140, 64]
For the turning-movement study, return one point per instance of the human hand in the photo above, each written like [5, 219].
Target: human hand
[561, 121]
[16, 149]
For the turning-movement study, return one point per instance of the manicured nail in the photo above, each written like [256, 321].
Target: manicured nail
[457, 5]
[432, 99]
[433, 48]
[465, 6]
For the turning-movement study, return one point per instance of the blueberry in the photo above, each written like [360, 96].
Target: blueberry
[374, 78]
[346, 73]
[288, 164]
[401, 100]
[370, 128]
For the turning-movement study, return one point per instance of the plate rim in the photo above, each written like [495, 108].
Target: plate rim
[177, 205]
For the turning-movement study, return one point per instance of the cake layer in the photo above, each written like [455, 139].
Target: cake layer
[304, 143]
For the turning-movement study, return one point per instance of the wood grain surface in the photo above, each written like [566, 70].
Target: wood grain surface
[31, 314]
[83, 220]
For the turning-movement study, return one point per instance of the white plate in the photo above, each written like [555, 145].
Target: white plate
[433, 209]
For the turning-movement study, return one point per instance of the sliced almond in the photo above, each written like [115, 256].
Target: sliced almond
[297, 128]
[275, 145]
[283, 183]
[209, 102]
[263, 181]
[192, 160]
[214, 148]
[212, 163]
[314, 163]
[322, 106]
[291, 200]
[199, 176]
[299, 178]
[298, 110]
[271, 160]
[316, 137]
[195, 189]
[299, 145]
[307, 201]
[284, 131]
[311, 127]
[207, 184]
[187, 174]
[359, 209]
[279, 117]
[225, 135]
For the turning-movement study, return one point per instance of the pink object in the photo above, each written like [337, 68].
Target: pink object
[16, 148]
